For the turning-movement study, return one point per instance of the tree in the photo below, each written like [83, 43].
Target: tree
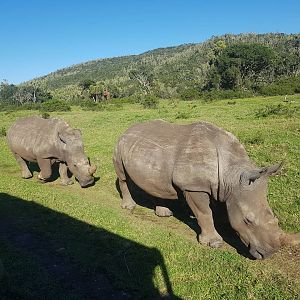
[96, 91]
[241, 64]
[144, 77]
[23, 95]
[7, 91]
[86, 83]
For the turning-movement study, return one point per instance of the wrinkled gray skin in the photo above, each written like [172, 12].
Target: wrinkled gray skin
[47, 141]
[205, 163]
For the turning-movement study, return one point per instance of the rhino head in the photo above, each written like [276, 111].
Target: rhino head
[70, 142]
[250, 214]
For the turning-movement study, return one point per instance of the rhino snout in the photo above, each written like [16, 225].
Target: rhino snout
[263, 252]
[86, 183]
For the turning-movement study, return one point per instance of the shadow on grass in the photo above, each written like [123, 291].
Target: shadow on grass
[50, 255]
[183, 213]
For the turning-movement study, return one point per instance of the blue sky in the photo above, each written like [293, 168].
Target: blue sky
[38, 37]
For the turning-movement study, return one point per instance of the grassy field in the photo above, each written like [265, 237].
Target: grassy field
[72, 243]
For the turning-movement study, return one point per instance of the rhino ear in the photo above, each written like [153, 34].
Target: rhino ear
[247, 177]
[77, 133]
[68, 135]
[65, 136]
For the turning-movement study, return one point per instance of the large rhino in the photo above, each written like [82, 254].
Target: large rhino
[206, 163]
[46, 141]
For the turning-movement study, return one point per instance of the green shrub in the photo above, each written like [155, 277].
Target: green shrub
[30, 106]
[2, 131]
[225, 94]
[16, 107]
[189, 94]
[90, 105]
[280, 109]
[285, 86]
[231, 102]
[54, 105]
[181, 115]
[129, 100]
[45, 115]
[149, 101]
[256, 138]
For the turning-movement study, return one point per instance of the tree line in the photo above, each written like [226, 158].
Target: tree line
[226, 66]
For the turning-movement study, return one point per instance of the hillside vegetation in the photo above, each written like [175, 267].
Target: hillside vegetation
[228, 66]
[65, 242]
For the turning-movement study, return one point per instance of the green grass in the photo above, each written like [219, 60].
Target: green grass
[85, 232]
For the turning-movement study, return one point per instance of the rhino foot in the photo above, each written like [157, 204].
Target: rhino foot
[214, 242]
[40, 178]
[129, 204]
[26, 175]
[162, 211]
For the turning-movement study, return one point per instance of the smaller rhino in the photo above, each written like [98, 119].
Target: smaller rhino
[47, 141]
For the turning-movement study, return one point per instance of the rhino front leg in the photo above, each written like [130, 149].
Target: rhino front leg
[199, 204]
[63, 173]
[45, 167]
[24, 167]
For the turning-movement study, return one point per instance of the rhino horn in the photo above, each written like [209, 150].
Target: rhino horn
[92, 169]
[273, 170]
[290, 239]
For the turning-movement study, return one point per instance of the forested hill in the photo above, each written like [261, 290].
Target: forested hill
[243, 62]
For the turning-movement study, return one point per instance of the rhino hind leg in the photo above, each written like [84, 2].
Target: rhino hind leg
[127, 201]
[24, 167]
[63, 173]
[199, 204]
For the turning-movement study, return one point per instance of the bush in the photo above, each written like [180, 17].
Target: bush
[181, 115]
[286, 86]
[225, 94]
[45, 115]
[15, 107]
[280, 109]
[231, 102]
[54, 105]
[90, 105]
[129, 100]
[189, 94]
[30, 106]
[2, 131]
[149, 101]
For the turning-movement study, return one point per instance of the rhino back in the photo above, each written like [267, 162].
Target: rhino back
[148, 152]
[204, 161]
[158, 155]
[34, 137]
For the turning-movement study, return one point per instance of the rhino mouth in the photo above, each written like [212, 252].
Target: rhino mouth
[256, 253]
[259, 253]
[87, 183]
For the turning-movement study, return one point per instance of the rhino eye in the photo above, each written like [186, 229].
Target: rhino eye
[248, 221]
